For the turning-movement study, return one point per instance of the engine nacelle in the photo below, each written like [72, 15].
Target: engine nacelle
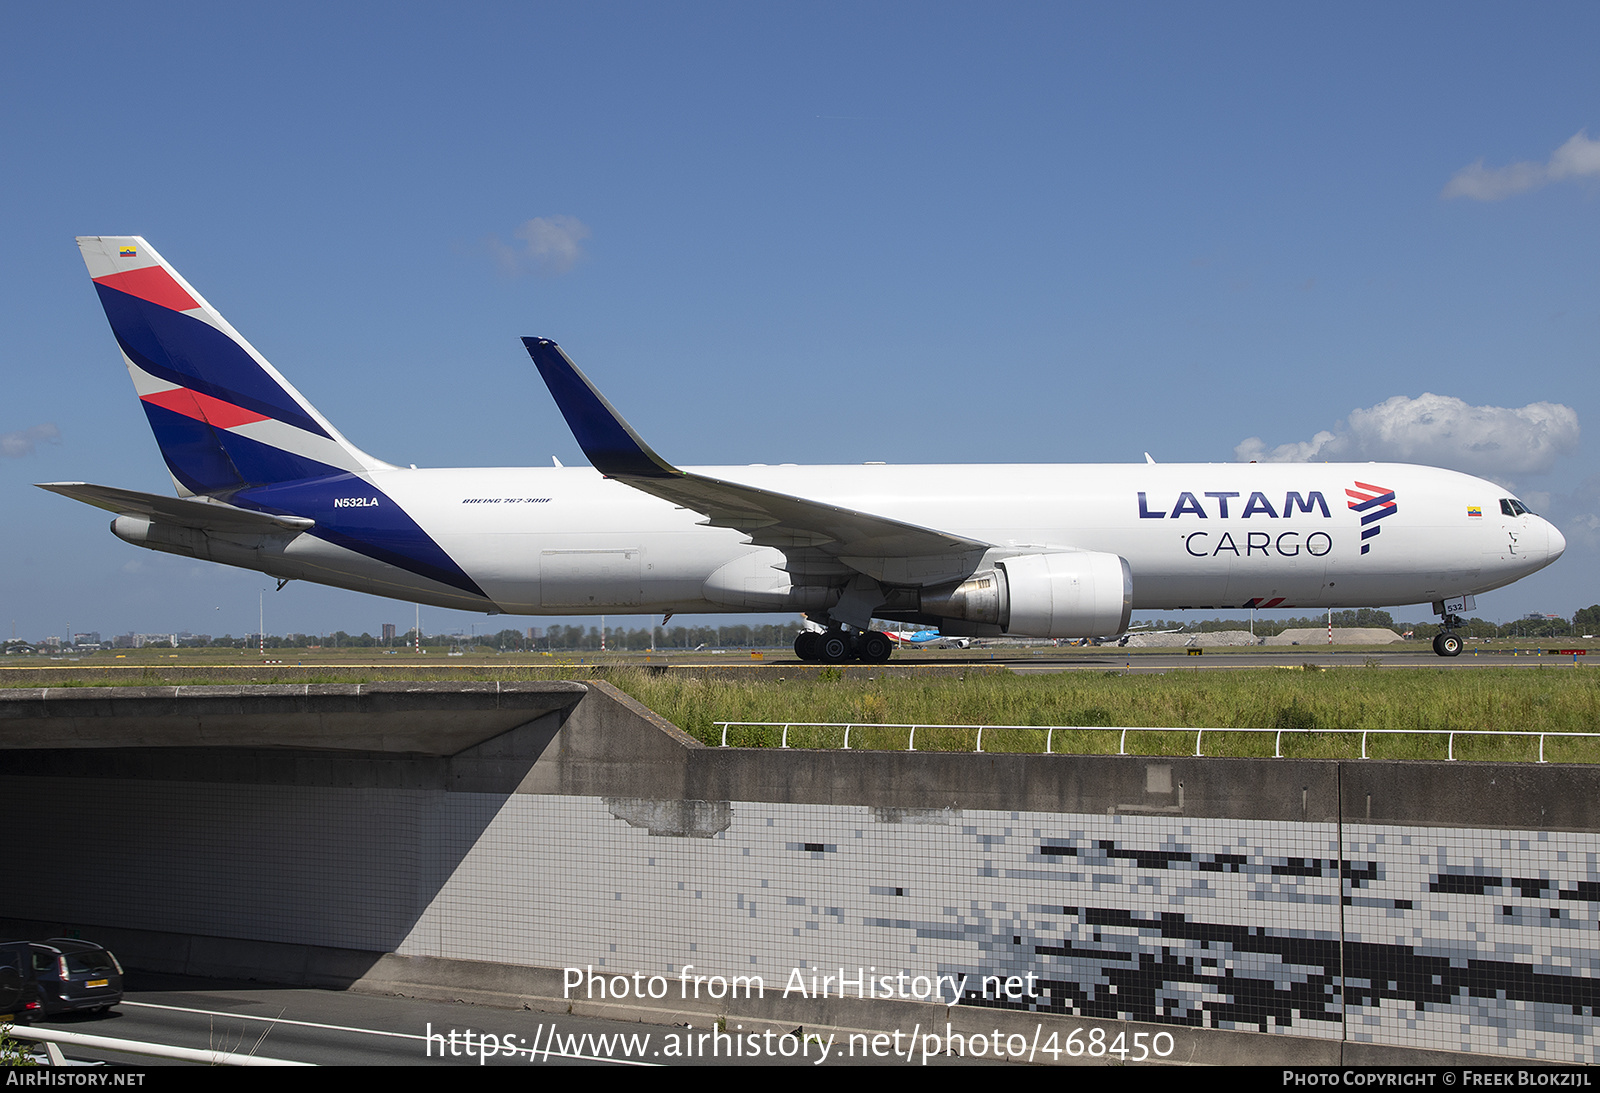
[1077, 594]
[1086, 594]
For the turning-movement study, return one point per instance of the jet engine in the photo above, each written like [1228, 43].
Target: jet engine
[1077, 594]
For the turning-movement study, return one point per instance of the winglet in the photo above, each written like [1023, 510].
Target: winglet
[609, 442]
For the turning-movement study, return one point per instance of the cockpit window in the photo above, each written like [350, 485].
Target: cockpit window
[1510, 506]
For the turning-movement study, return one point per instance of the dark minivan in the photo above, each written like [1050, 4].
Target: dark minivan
[18, 995]
[61, 975]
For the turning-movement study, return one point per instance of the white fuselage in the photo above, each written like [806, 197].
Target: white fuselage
[266, 482]
[565, 541]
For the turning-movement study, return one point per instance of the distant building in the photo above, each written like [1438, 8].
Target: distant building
[388, 633]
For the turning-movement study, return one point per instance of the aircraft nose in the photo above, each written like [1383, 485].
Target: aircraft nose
[1558, 541]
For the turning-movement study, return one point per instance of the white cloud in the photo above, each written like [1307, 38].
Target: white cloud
[23, 441]
[546, 244]
[1438, 430]
[1577, 514]
[1583, 529]
[1578, 158]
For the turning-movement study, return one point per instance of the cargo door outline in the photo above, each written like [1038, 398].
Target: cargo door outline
[591, 577]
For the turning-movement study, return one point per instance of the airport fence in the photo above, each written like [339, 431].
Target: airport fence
[784, 727]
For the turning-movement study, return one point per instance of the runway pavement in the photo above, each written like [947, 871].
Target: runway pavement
[1212, 659]
[1105, 659]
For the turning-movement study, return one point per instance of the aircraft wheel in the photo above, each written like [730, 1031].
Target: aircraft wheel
[876, 648]
[1447, 645]
[836, 647]
[805, 645]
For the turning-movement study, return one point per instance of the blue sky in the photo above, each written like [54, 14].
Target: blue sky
[810, 233]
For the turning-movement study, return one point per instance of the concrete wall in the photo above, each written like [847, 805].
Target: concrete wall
[1344, 909]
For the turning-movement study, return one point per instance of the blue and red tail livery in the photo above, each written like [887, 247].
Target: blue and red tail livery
[232, 429]
[224, 417]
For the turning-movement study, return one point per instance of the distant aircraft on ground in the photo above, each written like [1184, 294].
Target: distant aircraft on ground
[920, 638]
[267, 483]
[913, 637]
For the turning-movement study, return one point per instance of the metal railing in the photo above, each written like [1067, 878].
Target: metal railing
[1122, 741]
[53, 1038]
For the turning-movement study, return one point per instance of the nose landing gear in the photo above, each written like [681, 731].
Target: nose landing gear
[1447, 643]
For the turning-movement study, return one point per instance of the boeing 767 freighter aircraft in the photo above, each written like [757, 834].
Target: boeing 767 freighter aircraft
[265, 482]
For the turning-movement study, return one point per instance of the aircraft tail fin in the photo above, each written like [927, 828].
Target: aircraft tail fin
[225, 419]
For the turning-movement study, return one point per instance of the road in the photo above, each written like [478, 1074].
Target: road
[338, 1028]
[345, 1028]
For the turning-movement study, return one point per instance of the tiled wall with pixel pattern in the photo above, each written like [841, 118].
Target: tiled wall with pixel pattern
[1457, 939]
[1462, 940]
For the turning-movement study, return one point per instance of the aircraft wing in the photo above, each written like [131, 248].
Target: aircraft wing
[860, 539]
[202, 513]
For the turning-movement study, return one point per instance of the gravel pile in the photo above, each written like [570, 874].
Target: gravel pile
[1342, 635]
[1200, 641]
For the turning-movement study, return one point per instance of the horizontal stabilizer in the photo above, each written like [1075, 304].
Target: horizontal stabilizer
[204, 514]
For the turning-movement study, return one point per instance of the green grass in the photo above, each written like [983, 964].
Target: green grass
[1330, 707]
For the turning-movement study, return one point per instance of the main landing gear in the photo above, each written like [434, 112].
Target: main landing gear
[840, 646]
[1447, 643]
